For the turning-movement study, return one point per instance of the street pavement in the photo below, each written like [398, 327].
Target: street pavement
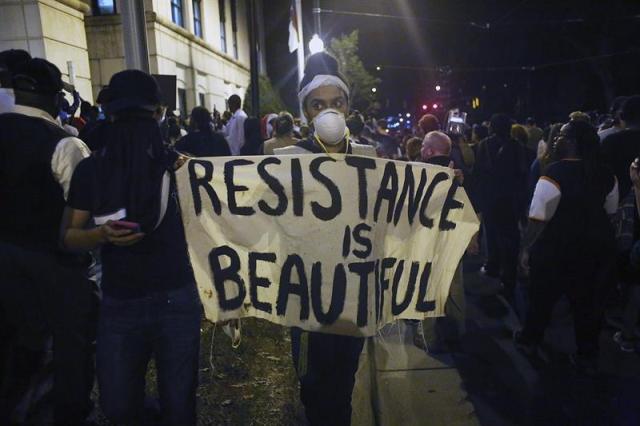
[485, 380]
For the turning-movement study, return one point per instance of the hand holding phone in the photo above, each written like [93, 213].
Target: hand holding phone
[121, 233]
[124, 225]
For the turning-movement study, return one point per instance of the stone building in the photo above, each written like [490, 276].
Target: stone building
[204, 43]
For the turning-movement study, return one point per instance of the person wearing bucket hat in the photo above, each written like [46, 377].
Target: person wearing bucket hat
[326, 363]
[10, 60]
[37, 160]
[128, 188]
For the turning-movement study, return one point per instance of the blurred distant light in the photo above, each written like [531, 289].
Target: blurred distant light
[484, 87]
[438, 88]
[408, 115]
[374, 90]
[505, 85]
[378, 68]
[401, 120]
[316, 45]
[435, 106]
[424, 107]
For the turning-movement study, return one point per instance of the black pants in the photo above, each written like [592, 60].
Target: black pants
[326, 365]
[503, 241]
[42, 295]
[583, 281]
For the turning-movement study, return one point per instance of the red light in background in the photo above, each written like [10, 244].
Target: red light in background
[435, 106]
[424, 107]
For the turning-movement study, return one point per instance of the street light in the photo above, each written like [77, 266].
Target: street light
[438, 88]
[316, 45]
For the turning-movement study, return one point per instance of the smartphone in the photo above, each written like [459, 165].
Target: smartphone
[123, 224]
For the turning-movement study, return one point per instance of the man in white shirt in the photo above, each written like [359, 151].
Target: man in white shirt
[234, 129]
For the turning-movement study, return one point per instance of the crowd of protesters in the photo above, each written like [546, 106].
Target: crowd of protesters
[558, 207]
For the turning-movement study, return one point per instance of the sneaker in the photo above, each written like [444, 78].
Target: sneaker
[526, 346]
[626, 345]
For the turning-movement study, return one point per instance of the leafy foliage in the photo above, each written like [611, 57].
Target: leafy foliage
[270, 100]
[345, 49]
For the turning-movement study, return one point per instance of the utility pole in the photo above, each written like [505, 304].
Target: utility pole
[300, 53]
[134, 32]
[317, 24]
[253, 57]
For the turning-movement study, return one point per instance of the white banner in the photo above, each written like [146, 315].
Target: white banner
[336, 244]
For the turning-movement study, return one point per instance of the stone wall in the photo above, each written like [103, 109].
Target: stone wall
[49, 29]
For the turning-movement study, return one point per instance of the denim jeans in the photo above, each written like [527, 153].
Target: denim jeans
[326, 365]
[165, 325]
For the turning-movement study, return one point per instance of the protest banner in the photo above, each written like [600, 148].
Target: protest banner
[336, 244]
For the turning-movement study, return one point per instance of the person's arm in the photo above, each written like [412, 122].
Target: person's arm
[545, 201]
[77, 237]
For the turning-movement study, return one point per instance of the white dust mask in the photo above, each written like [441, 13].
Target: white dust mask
[330, 126]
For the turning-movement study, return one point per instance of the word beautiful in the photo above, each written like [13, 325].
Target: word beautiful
[318, 242]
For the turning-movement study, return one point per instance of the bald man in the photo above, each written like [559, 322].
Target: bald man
[436, 149]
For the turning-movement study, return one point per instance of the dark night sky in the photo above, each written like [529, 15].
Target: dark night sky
[446, 34]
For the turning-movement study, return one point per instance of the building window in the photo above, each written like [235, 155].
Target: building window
[197, 18]
[176, 12]
[201, 98]
[182, 102]
[104, 7]
[234, 28]
[223, 29]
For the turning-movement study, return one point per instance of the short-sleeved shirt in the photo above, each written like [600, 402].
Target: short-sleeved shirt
[159, 262]
[576, 212]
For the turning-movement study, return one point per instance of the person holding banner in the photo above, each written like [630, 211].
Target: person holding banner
[150, 303]
[326, 363]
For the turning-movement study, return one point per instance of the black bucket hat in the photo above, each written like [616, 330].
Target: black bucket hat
[38, 75]
[131, 89]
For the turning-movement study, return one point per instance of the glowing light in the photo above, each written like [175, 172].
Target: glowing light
[408, 115]
[401, 120]
[374, 90]
[424, 107]
[435, 106]
[316, 44]
[438, 88]
[378, 68]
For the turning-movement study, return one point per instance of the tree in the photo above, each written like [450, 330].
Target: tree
[270, 100]
[345, 49]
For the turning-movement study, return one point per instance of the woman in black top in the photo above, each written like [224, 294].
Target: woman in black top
[150, 305]
[252, 137]
[203, 140]
[570, 240]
